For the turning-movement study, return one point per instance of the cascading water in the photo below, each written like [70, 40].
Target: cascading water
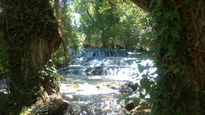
[102, 62]
[94, 76]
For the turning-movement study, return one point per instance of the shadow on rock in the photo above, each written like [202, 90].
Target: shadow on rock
[128, 87]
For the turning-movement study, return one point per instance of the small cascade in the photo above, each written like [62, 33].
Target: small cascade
[102, 62]
[97, 52]
[93, 78]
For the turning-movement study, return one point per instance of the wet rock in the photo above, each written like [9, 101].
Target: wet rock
[2, 94]
[67, 97]
[130, 105]
[114, 87]
[140, 112]
[98, 71]
[63, 109]
[128, 87]
[56, 106]
[142, 109]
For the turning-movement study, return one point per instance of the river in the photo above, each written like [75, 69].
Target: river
[93, 79]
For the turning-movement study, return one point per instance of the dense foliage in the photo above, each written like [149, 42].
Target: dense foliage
[112, 24]
[178, 89]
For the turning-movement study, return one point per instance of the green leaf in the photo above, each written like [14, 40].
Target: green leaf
[176, 70]
[163, 29]
[171, 50]
[174, 33]
[135, 101]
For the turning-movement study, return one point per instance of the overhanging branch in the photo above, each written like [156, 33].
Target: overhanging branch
[143, 4]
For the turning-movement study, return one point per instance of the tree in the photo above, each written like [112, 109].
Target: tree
[69, 33]
[62, 34]
[111, 23]
[179, 55]
[30, 32]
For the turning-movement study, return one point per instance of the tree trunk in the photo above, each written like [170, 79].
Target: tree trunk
[143, 4]
[30, 31]
[193, 24]
[181, 92]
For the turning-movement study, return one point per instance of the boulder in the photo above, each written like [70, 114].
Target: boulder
[56, 106]
[130, 105]
[142, 109]
[63, 109]
[128, 87]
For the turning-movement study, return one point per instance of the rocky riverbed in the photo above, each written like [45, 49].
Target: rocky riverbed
[97, 80]
[94, 96]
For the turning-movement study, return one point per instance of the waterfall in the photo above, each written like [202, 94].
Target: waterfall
[102, 62]
[93, 77]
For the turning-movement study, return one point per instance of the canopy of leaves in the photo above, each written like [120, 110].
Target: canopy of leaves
[110, 23]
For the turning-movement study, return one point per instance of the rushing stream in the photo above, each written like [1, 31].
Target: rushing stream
[94, 76]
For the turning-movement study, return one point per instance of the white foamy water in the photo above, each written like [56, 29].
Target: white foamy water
[93, 79]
